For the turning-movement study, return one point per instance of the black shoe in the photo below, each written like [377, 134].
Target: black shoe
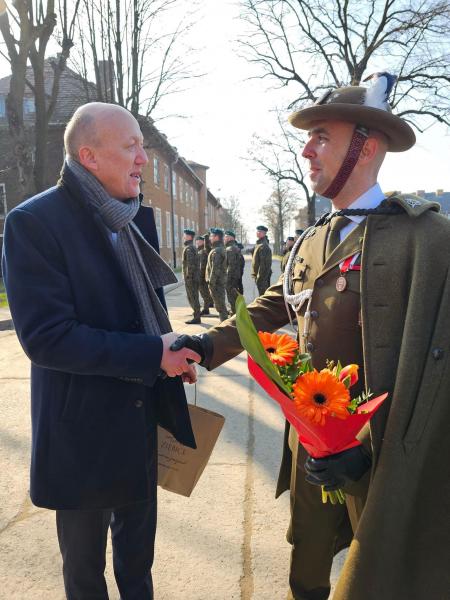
[193, 321]
[205, 311]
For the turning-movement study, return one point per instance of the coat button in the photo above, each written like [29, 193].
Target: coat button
[319, 282]
[310, 346]
[139, 404]
[437, 353]
[314, 314]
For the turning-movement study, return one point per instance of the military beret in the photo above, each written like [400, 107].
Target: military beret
[189, 231]
[290, 238]
[199, 237]
[240, 246]
[299, 231]
[229, 232]
[262, 228]
[216, 231]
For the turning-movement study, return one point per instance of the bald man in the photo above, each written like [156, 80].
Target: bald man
[85, 285]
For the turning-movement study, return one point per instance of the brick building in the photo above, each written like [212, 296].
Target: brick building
[176, 188]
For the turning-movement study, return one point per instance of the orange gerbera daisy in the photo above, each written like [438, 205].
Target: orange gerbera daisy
[280, 349]
[318, 394]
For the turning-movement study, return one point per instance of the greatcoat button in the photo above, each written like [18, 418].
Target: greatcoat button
[139, 404]
[319, 282]
[310, 346]
[314, 314]
[437, 353]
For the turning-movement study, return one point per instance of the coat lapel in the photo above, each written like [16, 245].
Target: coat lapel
[351, 245]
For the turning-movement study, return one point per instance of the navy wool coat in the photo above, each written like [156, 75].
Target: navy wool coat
[96, 390]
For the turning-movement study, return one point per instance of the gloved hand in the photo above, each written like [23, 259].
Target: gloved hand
[335, 470]
[201, 344]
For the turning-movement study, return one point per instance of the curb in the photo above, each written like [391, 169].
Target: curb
[6, 325]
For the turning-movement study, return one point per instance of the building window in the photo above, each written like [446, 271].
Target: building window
[174, 185]
[191, 197]
[2, 107]
[28, 106]
[166, 178]
[175, 229]
[168, 231]
[158, 224]
[186, 197]
[155, 170]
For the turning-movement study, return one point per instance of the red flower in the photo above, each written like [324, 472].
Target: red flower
[280, 348]
[350, 371]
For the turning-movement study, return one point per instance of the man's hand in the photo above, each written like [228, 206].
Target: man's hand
[175, 363]
[334, 471]
[190, 376]
[201, 344]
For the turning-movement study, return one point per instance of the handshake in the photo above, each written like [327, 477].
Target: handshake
[180, 351]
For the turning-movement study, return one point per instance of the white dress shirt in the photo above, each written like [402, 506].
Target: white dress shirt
[370, 199]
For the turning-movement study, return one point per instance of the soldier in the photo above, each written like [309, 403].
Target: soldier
[262, 260]
[375, 271]
[215, 272]
[242, 261]
[298, 233]
[287, 252]
[233, 267]
[191, 274]
[204, 290]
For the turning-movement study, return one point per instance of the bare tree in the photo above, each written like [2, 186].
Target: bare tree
[134, 48]
[231, 217]
[309, 46]
[27, 34]
[278, 211]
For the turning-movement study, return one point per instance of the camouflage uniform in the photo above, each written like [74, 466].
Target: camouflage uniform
[262, 265]
[233, 277]
[203, 254]
[242, 266]
[285, 258]
[215, 276]
[191, 274]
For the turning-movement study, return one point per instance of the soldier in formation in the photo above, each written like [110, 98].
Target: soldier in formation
[215, 272]
[233, 268]
[203, 252]
[287, 252]
[262, 260]
[191, 274]
[298, 233]
[242, 263]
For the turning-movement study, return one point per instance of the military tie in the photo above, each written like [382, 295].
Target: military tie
[334, 239]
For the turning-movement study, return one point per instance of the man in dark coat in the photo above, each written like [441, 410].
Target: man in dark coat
[369, 284]
[84, 282]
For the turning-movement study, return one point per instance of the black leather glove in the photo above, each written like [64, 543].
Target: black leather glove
[334, 471]
[201, 344]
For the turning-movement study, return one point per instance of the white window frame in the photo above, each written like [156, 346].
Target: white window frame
[168, 230]
[29, 106]
[156, 178]
[174, 185]
[2, 107]
[158, 225]
[175, 223]
[166, 179]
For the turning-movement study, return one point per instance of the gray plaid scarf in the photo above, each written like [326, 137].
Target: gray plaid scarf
[142, 265]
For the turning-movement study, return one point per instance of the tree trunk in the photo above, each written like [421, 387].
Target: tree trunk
[311, 202]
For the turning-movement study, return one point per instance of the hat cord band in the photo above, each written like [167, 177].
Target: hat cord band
[356, 145]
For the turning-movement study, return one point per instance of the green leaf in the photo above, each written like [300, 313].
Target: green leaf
[251, 342]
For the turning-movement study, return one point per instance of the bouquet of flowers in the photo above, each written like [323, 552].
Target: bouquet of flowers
[318, 404]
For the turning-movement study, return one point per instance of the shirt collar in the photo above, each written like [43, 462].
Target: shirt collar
[370, 199]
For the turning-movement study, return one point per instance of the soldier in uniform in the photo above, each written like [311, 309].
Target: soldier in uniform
[191, 274]
[287, 252]
[262, 260]
[242, 262]
[204, 289]
[298, 233]
[216, 271]
[233, 267]
[369, 284]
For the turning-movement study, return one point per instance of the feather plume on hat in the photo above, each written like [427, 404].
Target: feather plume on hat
[377, 94]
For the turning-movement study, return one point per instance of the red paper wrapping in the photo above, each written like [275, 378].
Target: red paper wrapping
[335, 435]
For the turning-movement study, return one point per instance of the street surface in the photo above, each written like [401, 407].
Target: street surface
[225, 542]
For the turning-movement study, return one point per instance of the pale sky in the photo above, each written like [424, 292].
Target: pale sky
[225, 109]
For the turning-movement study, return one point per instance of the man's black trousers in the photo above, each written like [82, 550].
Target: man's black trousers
[82, 536]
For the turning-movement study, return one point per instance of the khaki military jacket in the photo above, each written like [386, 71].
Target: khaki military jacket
[191, 263]
[401, 548]
[233, 262]
[262, 261]
[216, 267]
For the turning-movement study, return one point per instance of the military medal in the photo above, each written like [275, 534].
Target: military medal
[346, 265]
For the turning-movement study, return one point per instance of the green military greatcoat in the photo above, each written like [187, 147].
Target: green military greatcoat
[401, 548]
[191, 275]
[262, 265]
[215, 276]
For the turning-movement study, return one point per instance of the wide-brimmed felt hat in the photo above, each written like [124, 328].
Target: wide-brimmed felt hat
[363, 106]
